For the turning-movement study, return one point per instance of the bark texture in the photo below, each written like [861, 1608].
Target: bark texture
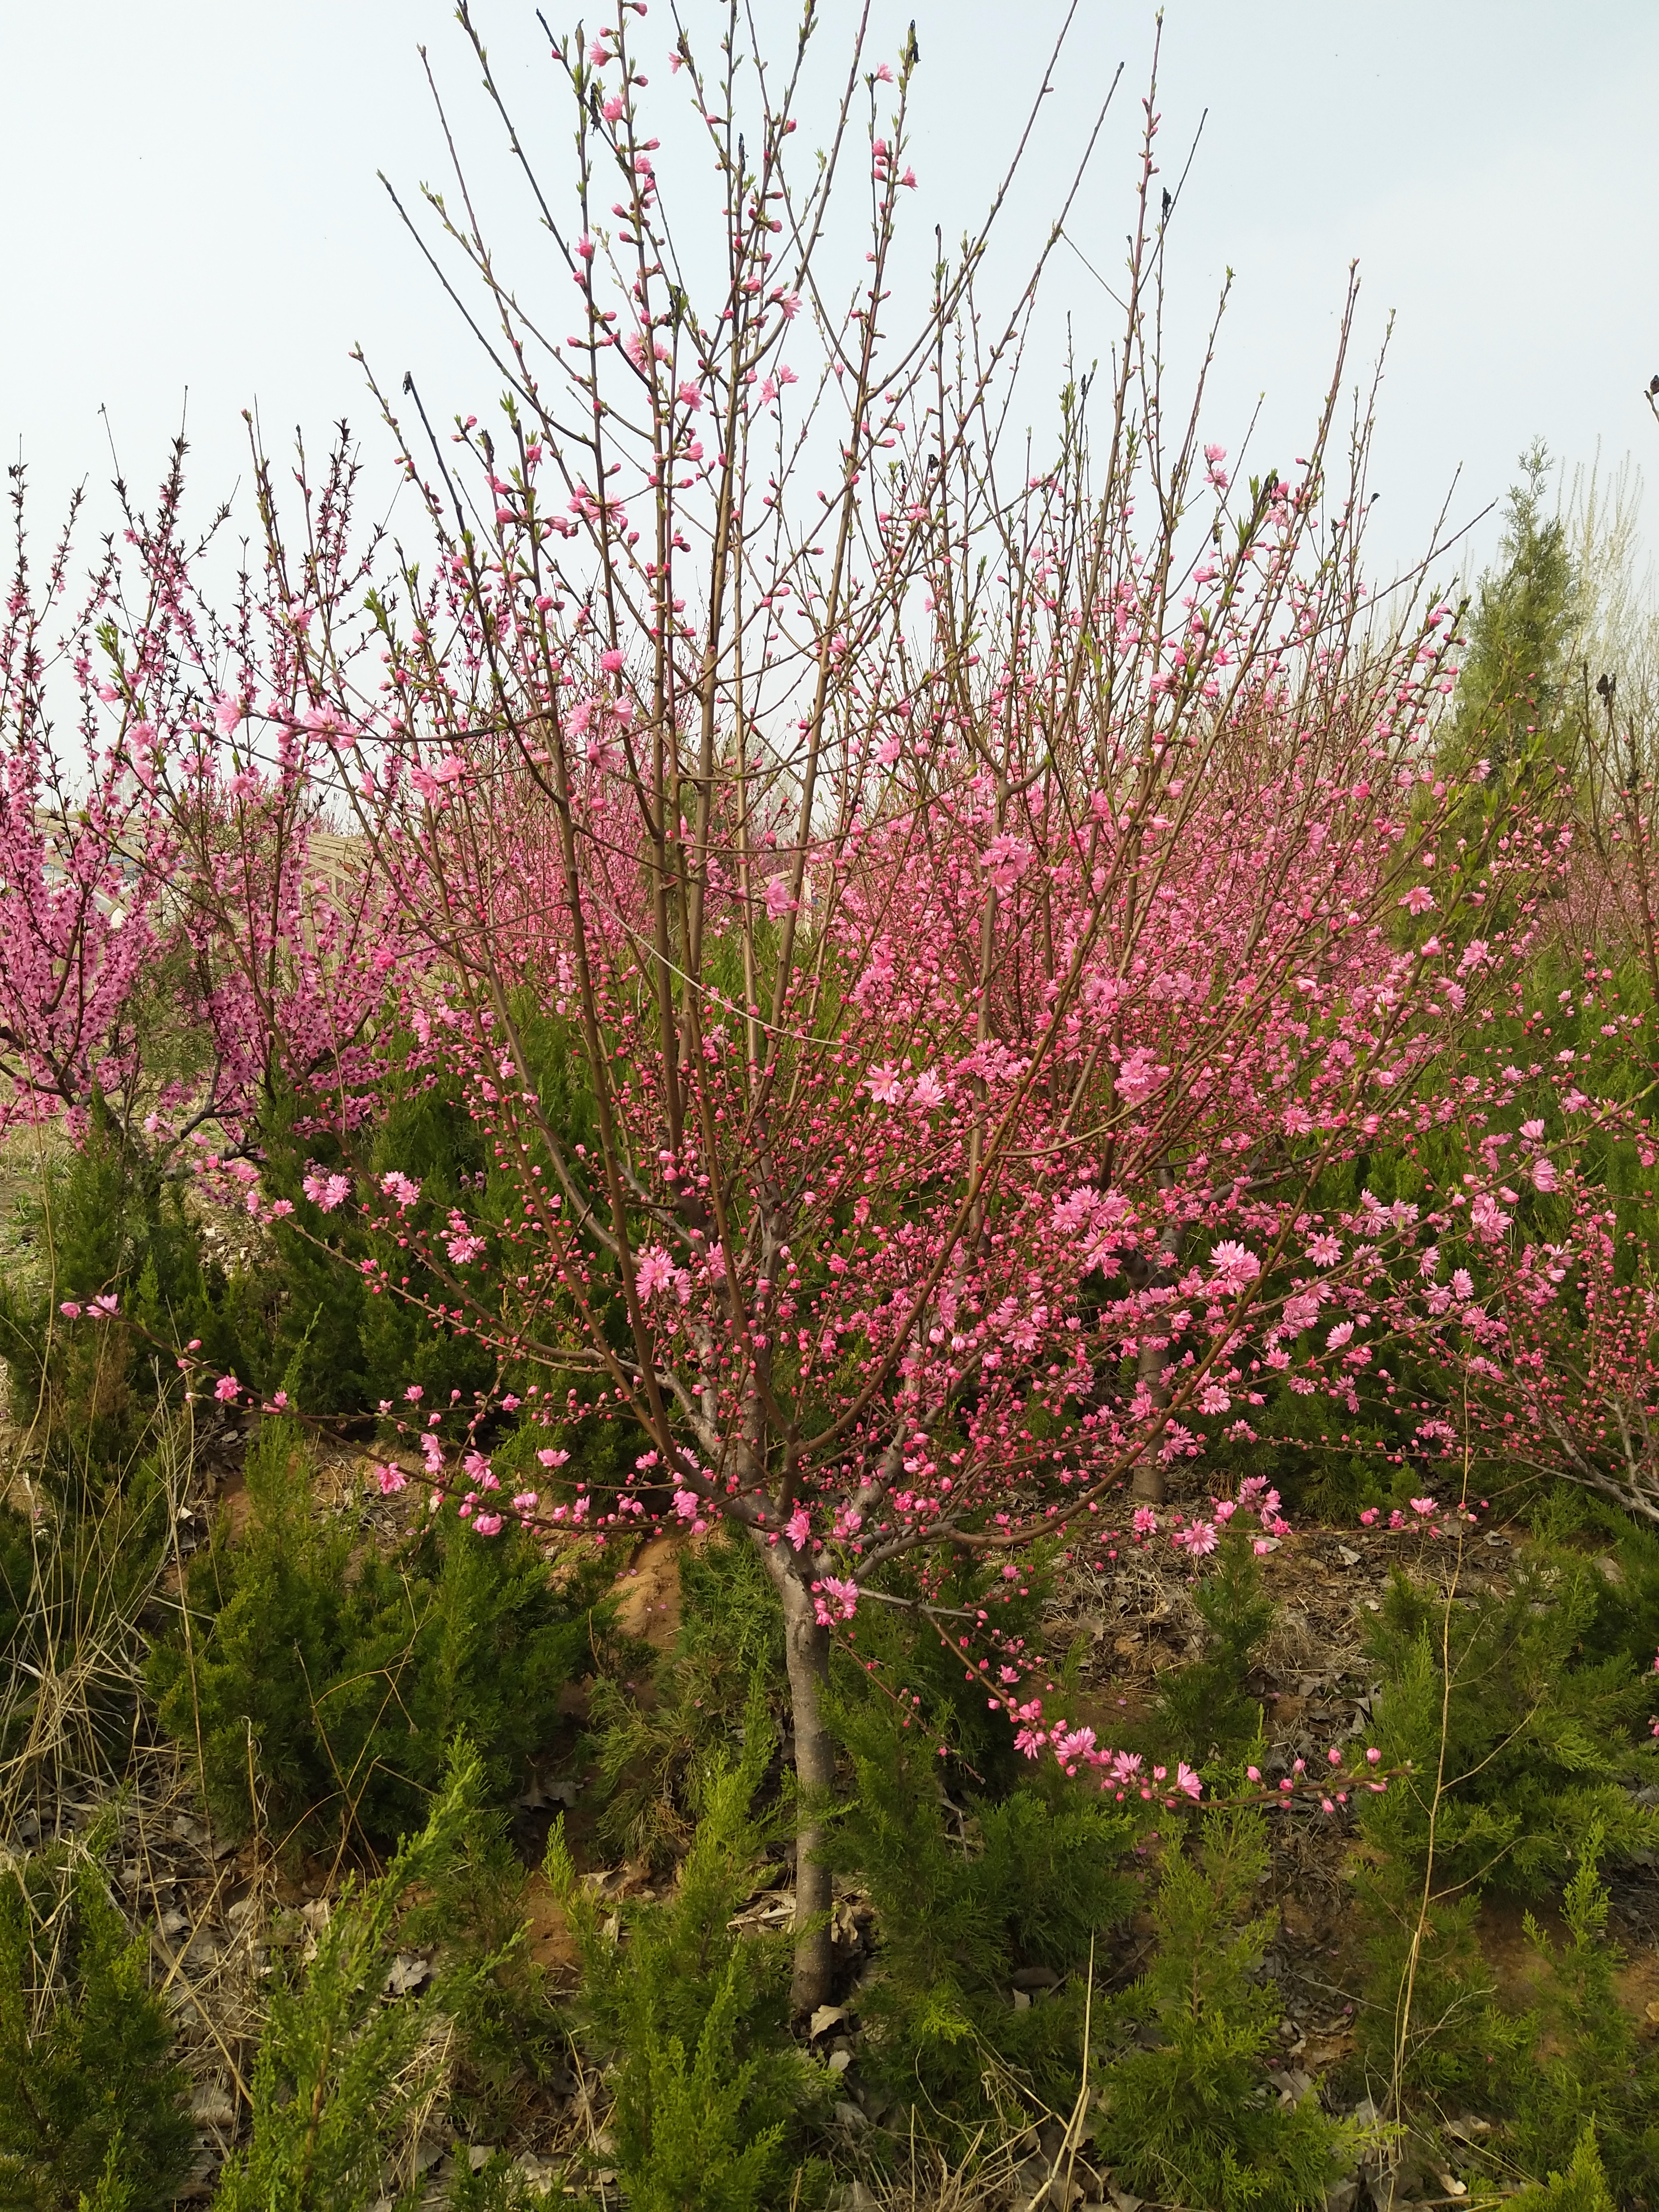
[807, 1649]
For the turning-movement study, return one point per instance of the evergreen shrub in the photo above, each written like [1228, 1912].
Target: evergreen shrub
[1188, 2113]
[349, 1670]
[91, 2102]
[712, 2098]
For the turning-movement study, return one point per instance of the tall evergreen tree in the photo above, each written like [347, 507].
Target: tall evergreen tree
[1512, 707]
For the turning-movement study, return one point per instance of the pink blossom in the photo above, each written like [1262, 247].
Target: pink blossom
[653, 1271]
[398, 1187]
[1005, 860]
[1235, 1263]
[226, 1388]
[390, 1478]
[1420, 899]
[1325, 1251]
[1139, 1074]
[1487, 1219]
[835, 1600]
[326, 1192]
[885, 1085]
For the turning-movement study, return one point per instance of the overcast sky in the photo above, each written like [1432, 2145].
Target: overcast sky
[190, 203]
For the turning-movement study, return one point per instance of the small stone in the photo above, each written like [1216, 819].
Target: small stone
[211, 2108]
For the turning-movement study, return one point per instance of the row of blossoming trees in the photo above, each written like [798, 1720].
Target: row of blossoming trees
[986, 905]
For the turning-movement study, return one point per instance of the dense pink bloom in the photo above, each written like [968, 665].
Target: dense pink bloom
[834, 1599]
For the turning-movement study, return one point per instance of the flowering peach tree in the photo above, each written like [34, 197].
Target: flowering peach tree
[921, 929]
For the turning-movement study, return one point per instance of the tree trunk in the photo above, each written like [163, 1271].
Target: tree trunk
[807, 1647]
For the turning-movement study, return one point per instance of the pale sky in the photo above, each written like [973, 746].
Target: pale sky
[190, 204]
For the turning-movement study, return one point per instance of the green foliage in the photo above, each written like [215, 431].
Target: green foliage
[343, 2075]
[353, 1348]
[349, 1674]
[91, 2102]
[1190, 2118]
[340, 1349]
[1537, 1714]
[649, 1751]
[1517, 1715]
[496, 2186]
[89, 1390]
[1510, 688]
[898, 1648]
[710, 2091]
[650, 1754]
[1582, 2188]
[1589, 2058]
[1205, 1707]
[113, 2192]
[508, 2034]
[1025, 1882]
